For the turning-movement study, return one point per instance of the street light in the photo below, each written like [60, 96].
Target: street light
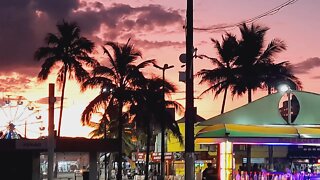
[164, 68]
[286, 89]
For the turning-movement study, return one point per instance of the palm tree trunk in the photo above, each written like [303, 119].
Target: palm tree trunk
[62, 98]
[148, 152]
[249, 95]
[269, 89]
[120, 128]
[224, 100]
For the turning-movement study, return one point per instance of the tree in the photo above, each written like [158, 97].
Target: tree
[123, 76]
[222, 77]
[150, 113]
[253, 61]
[69, 50]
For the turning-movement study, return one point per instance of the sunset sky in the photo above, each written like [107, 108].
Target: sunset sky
[156, 28]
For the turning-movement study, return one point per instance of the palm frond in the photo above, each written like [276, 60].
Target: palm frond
[99, 82]
[45, 52]
[80, 73]
[52, 39]
[93, 107]
[146, 63]
[274, 47]
[46, 69]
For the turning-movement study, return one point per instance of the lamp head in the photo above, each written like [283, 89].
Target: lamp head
[284, 88]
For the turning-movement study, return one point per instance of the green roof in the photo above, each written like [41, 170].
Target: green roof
[265, 111]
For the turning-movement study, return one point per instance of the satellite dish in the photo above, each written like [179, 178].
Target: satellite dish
[183, 58]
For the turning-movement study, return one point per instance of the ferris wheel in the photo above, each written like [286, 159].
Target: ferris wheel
[20, 118]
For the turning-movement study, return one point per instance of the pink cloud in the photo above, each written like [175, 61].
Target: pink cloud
[15, 84]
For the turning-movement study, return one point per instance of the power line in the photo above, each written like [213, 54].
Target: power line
[215, 28]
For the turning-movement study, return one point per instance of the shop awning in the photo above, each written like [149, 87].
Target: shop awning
[238, 130]
[258, 131]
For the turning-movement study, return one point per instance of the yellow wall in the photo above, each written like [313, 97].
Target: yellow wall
[174, 145]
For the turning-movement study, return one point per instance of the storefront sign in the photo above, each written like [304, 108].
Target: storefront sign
[31, 144]
[156, 157]
[141, 156]
[177, 156]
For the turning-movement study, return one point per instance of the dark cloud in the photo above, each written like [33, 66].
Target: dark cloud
[145, 44]
[305, 66]
[89, 21]
[122, 19]
[17, 34]
[156, 15]
[56, 9]
[25, 23]
[23, 28]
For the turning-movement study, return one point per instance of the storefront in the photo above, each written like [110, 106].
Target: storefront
[260, 124]
[305, 158]
[203, 154]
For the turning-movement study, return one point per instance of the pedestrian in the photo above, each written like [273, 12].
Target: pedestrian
[151, 174]
[210, 173]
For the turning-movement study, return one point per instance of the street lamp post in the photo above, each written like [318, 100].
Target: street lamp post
[164, 68]
[286, 88]
[289, 105]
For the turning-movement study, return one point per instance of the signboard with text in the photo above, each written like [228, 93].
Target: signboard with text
[141, 156]
[156, 157]
[31, 144]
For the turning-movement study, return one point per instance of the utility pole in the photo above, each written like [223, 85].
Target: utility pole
[51, 102]
[190, 110]
[162, 168]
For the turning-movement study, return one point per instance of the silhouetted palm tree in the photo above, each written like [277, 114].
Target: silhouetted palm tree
[122, 77]
[70, 50]
[254, 63]
[150, 113]
[222, 77]
[281, 73]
